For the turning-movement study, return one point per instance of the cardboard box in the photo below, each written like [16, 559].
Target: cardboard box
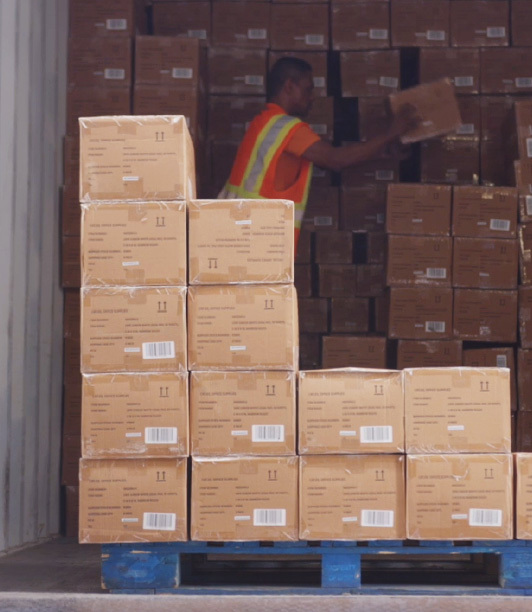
[523, 177]
[375, 247]
[337, 280]
[70, 211]
[428, 353]
[354, 351]
[295, 29]
[360, 25]
[70, 266]
[313, 315]
[309, 351]
[134, 244]
[435, 103]
[70, 454]
[523, 123]
[318, 61]
[381, 172]
[350, 411]
[222, 156]
[71, 360]
[71, 160]
[230, 116]
[242, 327]
[135, 415]
[523, 494]
[140, 158]
[420, 23]
[485, 263]
[242, 413]
[459, 497]
[71, 313]
[524, 432]
[352, 498]
[99, 62]
[525, 317]
[321, 117]
[192, 19]
[460, 66]
[135, 500]
[485, 316]
[373, 117]
[419, 260]
[363, 208]
[484, 212]
[521, 23]
[421, 313]
[101, 18]
[133, 329]
[241, 24]
[381, 313]
[457, 410]
[496, 113]
[480, 23]
[506, 70]
[493, 167]
[322, 210]
[369, 73]
[334, 247]
[237, 71]
[524, 383]
[371, 280]
[525, 253]
[450, 161]
[349, 315]
[303, 280]
[244, 498]
[500, 357]
[240, 241]
[88, 101]
[72, 407]
[71, 511]
[418, 209]
[470, 128]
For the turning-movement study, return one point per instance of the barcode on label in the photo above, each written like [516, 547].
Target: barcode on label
[436, 272]
[267, 433]
[160, 435]
[158, 350]
[201, 34]
[466, 128]
[377, 34]
[529, 147]
[319, 82]
[435, 34]
[163, 521]
[319, 128]
[377, 518]
[116, 24]
[528, 200]
[322, 221]
[502, 225]
[435, 326]
[384, 175]
[254, 79]
[464, 81]
[385, 81]
[523, 82]
[257, 34]
[382, 433]
[480, 517]
[269, 517]
[182, 73]
[496, 32]
[114, 74]
[501, 361]
[314, 39]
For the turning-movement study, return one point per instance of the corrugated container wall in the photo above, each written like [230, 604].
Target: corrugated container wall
[32, 118]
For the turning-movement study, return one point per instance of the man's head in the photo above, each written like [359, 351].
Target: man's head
[291, 86]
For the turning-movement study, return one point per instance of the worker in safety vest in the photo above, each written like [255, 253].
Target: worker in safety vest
[276, 156]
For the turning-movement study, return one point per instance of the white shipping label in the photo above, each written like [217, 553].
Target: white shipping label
[267, 433]
[529, 147]
[384, 175]
[523, 82]
[319, 128]
[314, 39]
[129, 264]
[182, 73]
[237, 348]
[116, 24]
[501, 225]
[377, 518]
[319, 82]
[254, 79]
[385, 81]
[501, 361]
[466, 129]
[323, 221]
[242, 518]
[459, 517]
[435, 326]
[132, 349]
[114, 74]
[436, 35]
[257, 34]
[239, 432]
[378, 34]
[497, 32]
[158, 350]
[464, 81]
[130, 179]
[376, 434]
[269, 517]
[160, 435]
[348, 433]
[482, 517]
[455, 428]
[201, 34]
[349, 519]
[436, 273]
[528, 200]
[130, 520]
[243, 222]
[160, 521]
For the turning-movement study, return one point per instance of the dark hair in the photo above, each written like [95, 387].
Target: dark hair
[286, 68]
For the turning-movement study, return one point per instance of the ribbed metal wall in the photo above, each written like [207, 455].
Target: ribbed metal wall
[33, 37]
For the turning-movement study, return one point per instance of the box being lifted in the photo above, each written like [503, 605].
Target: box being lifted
[141, 158]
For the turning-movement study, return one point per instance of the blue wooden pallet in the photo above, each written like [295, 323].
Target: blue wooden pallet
[161, 568]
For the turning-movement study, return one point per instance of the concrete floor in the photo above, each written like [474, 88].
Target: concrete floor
[62, 576]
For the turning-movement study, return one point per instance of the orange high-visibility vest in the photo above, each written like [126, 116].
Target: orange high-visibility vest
[254, 169]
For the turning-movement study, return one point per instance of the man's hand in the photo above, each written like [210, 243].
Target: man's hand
[406, 119]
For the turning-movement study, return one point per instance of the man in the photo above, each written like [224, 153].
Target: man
[278, 151]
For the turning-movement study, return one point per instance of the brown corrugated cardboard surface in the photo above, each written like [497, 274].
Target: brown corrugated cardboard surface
[322, 209]
[241, 24]
[293, 29]
[352, 498]
[420, 23]
[495, 115]
[485, 263]
[98, 62]
[70, 210]
[303, 280]
[524, 382]
[371, 280]
[375, 247]
[136, 158]
[72, 406]
[524, 432]
[459, 497]
[71, 359]
[363, 208]
[428, 353]
[493, 170]
[521, 22]
[237, 71]
[485, 315]
[318, 61]
[350, 411]
[418, 209]
[450, 161]
[309, 350]
[70, 454]
[242, 413]
[167, 60]
[334, 247]
[457, 410]
[245, 498]
[484, 212]
[525, 316]
[192, 19]
[242, 327]
[525, 253]
[101, 18]
[480, 23]
[321, 117]
[70, 258]
[360, 25]
[523, 122]
[135, 415]
[71, 313]
[229, 116]
[461, 66]
[373, 117]
[240, 241]
[133, 329]
[89, 101]
[369, 73]
[470, 129]
[506, 70]
[313, 315]
[337, 280]
[421, 313]
[523, 496]
[349, 315]
[133, 500]
[381, 172]
[419, 260]
[345, 351]
[71, 511]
